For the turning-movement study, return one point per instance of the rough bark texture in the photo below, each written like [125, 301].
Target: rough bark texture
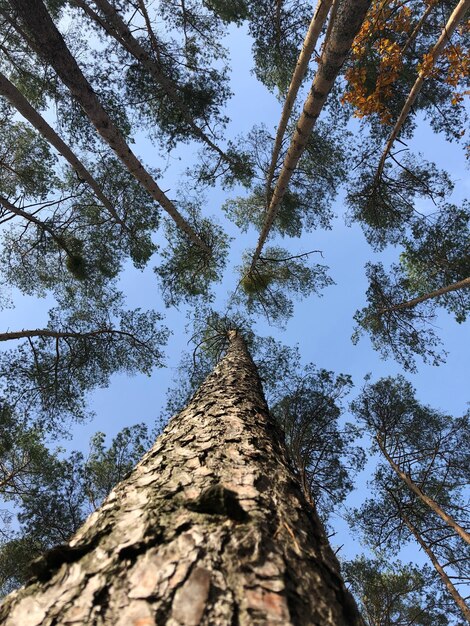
[50, 44]
[210, 528]
[350, 15]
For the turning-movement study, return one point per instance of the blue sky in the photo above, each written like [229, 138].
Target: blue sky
[321, 326]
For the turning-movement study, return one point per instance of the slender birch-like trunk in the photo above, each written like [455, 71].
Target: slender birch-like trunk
[116, 27]
[461, 284]
[452, 23]
[19, 102]
[310, 41]
[418, 27]
[210, 528]
[350, 15]
[432, 504]
[50, 44]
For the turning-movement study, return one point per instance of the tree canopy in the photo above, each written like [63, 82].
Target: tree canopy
[130, 200]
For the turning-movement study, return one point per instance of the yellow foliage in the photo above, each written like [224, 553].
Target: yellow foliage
[376, 43]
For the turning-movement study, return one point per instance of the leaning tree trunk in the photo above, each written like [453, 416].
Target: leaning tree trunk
[49, 44]
[21, 104]
[346, 25]
[210, 528]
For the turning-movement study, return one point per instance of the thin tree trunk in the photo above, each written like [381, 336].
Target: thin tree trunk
[115, 26]
[461, 284]
[460, 602]
[432, 504]
[452, 23]
[331, 21]
[211, 527]
[311, 38]
[52, 47]
[348, 21]
[418, 27]
[19, 102]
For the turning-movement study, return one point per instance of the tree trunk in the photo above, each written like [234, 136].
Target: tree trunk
[457, 15]
[310, 41]
[210, 528]
[459, 601]
[19, 102]
[461, 284]
[116, 27]
[349, 18]
[432, 504]
[50, 45]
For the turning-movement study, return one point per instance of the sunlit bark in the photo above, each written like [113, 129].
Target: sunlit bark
[351, 14]
[311, 38]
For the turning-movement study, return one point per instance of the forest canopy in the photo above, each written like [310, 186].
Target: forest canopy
[172, 170]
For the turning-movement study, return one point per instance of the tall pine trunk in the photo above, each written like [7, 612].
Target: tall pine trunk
[211, 528]
[349, 17]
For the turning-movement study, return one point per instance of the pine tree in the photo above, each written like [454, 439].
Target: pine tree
[208, 528]
[217, 523]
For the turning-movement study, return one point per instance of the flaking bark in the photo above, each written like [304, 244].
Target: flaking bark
[211, 527]
[350, 15]
[50, 44]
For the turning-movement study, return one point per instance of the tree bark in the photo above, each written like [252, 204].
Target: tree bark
[452, 23]
[50, 44]
[348, 21]
[19, 102]
[311, 38]
[211, 527]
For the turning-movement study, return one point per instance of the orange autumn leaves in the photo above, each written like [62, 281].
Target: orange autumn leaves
[378, 58]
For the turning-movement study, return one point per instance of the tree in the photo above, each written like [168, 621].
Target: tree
[42, 29]
[395, 593]
[199, 500]
[16, 98]
[345, 28]
[218, 523]
[421, 491]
